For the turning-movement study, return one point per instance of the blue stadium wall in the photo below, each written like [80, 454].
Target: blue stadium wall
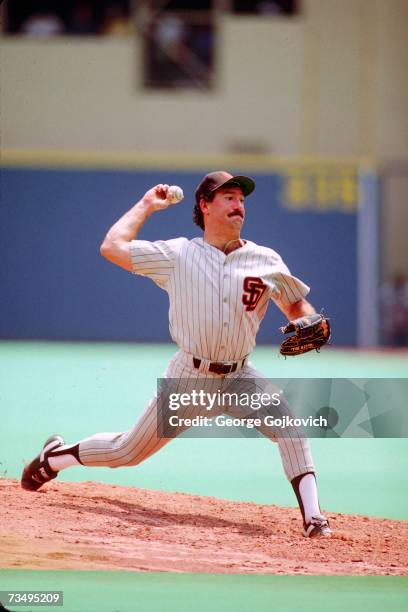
[55, 285]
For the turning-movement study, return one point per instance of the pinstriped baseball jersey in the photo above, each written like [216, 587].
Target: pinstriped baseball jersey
[217, 301]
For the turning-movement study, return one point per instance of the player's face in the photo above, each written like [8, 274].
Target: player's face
[227, 209]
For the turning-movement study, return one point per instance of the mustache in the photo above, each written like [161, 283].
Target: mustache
[236, 212]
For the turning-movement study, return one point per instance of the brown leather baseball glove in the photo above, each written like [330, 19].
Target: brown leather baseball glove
[311, 333]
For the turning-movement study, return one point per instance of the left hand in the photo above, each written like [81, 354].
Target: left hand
[311, 333]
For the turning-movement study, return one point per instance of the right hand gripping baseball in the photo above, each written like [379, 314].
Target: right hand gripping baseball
[162, 196]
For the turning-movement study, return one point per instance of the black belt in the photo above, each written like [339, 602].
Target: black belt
[218, 367]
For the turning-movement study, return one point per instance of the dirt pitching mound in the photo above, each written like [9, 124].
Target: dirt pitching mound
[93, 526]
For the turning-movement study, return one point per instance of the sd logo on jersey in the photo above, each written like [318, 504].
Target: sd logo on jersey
[254, 288]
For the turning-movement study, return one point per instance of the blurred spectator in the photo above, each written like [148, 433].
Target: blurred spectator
[394, 309]
[170, 33]
[42, 24]
[178, 53]
[165, 49]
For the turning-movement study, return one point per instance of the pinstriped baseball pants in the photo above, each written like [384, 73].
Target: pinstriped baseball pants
[143, 440]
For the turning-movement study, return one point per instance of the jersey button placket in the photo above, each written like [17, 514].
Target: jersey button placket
[224, 329]
[225, 312]
[226, 309]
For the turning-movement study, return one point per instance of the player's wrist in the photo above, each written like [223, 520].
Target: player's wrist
[145, 207]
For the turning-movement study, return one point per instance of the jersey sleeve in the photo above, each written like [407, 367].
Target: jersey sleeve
[287, 289]
[156, 260]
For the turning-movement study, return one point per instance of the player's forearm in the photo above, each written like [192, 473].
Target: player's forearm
[298, 309]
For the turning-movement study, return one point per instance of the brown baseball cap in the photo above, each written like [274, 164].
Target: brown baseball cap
[215, 180]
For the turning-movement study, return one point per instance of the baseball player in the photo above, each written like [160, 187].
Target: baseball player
[219, 287]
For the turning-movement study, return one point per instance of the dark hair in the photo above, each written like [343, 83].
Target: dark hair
[198, 216]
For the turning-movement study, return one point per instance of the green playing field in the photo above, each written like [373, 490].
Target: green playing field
[132, 592]
[80, 389]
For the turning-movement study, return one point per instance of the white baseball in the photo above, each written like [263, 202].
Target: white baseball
[174, 194]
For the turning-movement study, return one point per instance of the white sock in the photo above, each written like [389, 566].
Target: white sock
[308, 493]
[61, 462]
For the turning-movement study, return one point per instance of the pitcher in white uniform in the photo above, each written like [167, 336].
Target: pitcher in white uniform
[219, 287]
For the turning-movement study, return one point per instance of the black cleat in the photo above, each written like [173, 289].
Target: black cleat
[38, 472]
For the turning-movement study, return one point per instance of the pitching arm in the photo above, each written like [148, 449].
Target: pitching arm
[116, 244]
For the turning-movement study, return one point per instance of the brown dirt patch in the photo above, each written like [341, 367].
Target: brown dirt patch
[94, 526]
